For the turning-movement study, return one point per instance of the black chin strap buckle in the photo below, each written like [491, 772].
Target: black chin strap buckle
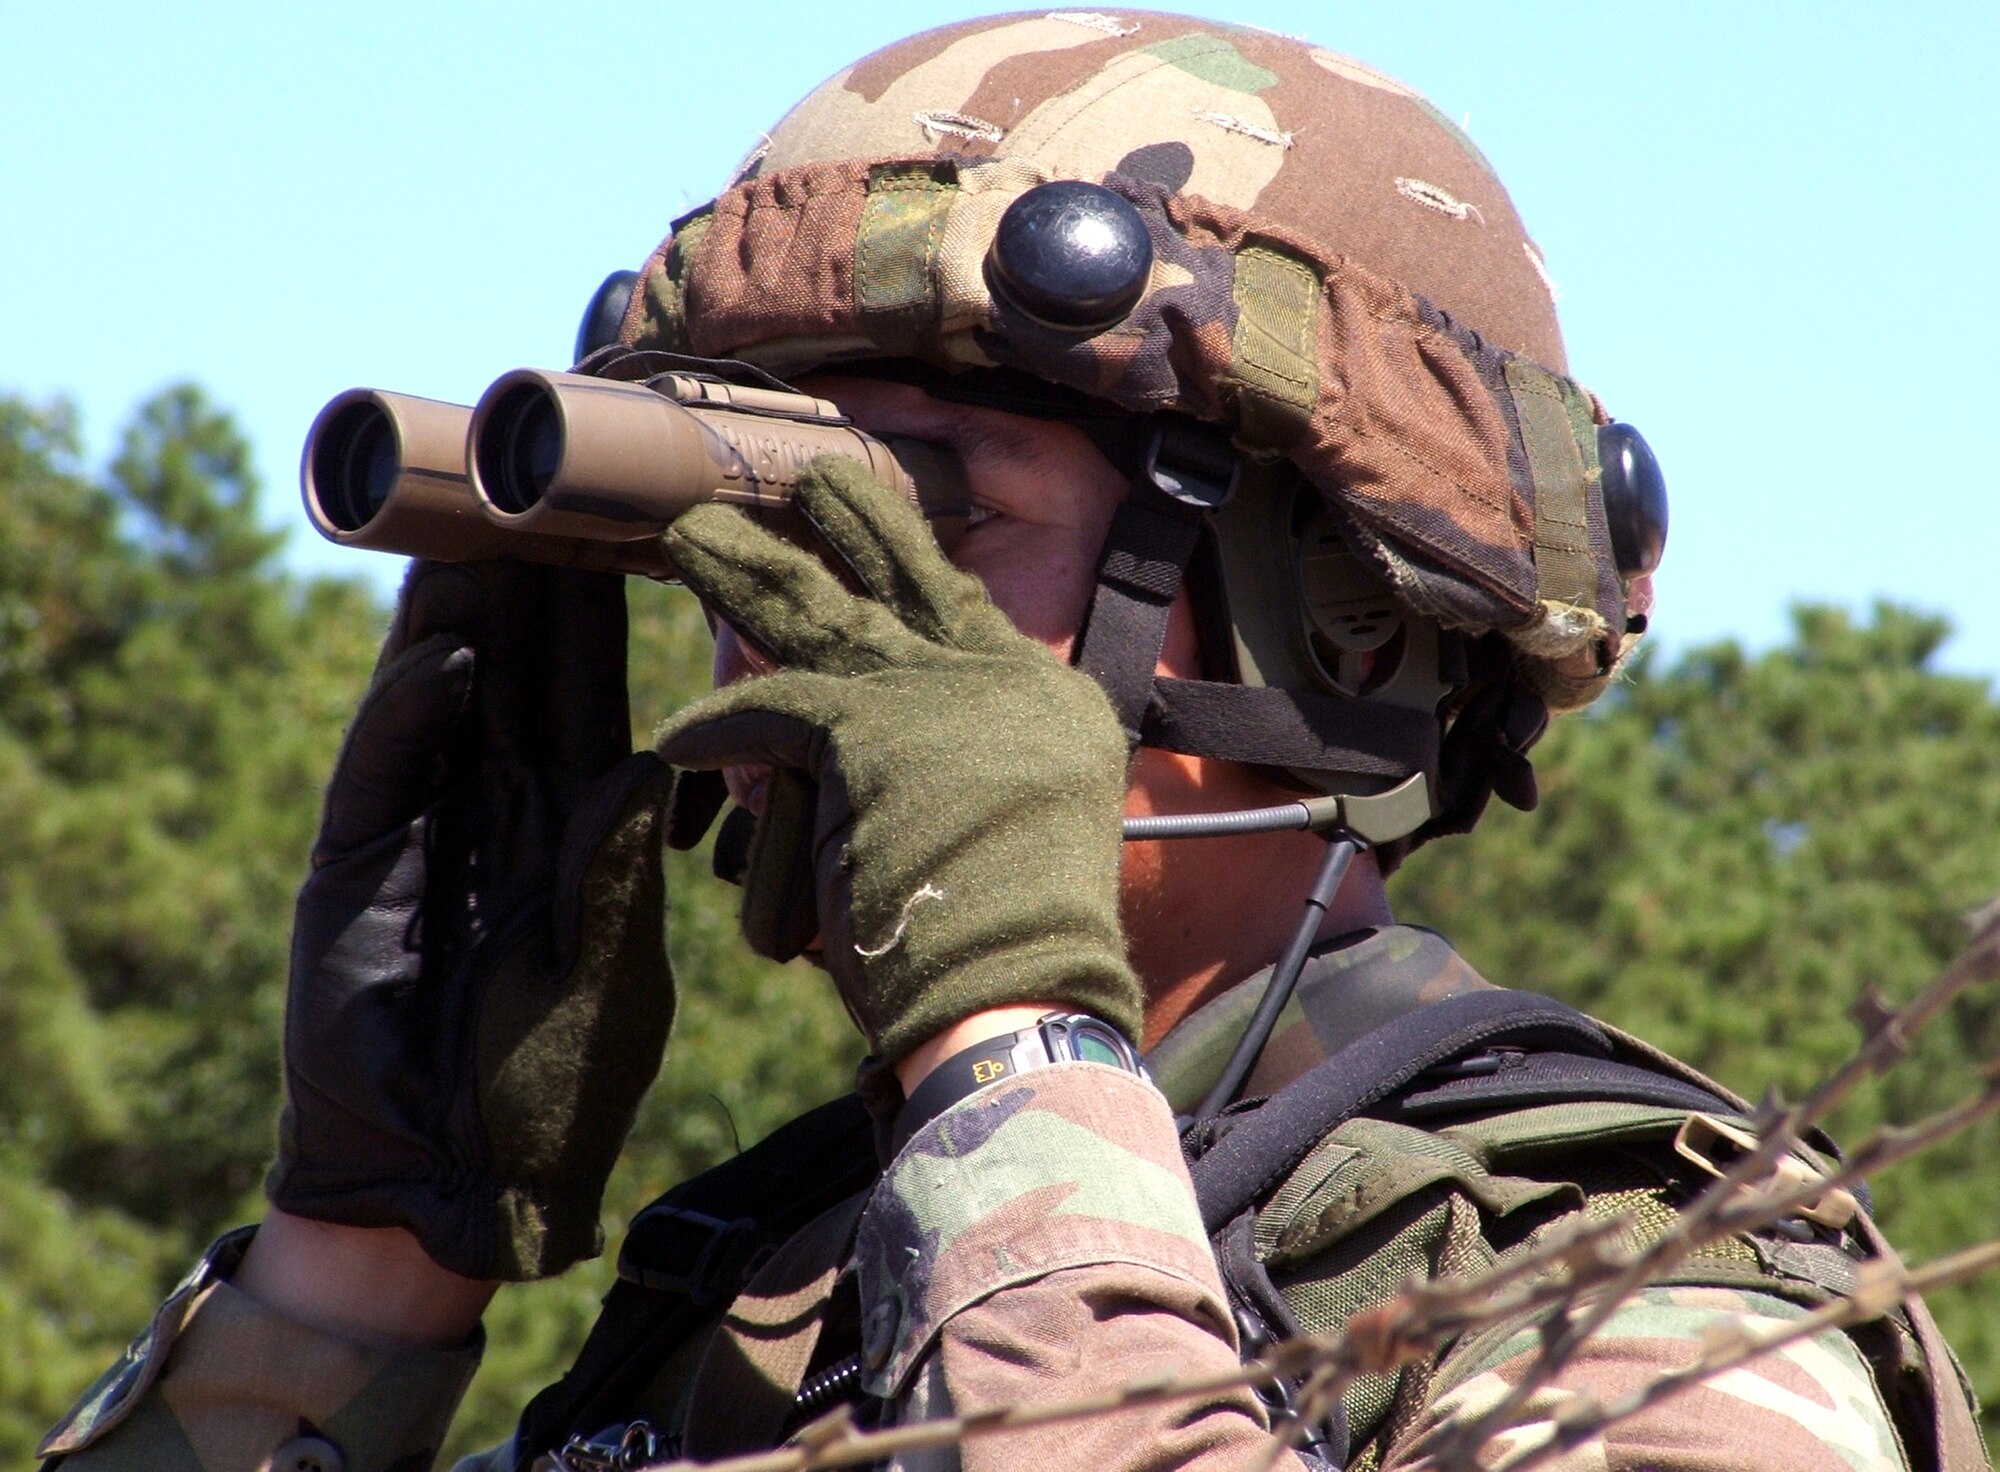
[1184, 471]
[1192, 465]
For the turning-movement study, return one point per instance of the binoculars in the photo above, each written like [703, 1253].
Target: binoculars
[582, 471]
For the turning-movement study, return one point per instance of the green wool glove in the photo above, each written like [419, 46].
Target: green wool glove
[947, 791]
[479, 988]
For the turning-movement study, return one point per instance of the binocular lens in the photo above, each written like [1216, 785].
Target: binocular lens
[355, 466]
[520, 449]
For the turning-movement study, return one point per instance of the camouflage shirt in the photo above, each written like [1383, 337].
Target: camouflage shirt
[1038, 1239]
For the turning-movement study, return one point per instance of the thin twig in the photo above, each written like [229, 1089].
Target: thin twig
[1882, 1287]
[1885, 1040]
[1573, 1278]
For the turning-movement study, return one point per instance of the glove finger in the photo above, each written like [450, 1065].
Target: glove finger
[729, 860]
[889, 547]
[610, 852]
[697, 798]
[782, 598]
[437, 599]
[780, 915]
[588, 710]
[778, 720]
[511, 632]
[393, 765]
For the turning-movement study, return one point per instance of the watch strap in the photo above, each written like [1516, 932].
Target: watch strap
[992, 1059]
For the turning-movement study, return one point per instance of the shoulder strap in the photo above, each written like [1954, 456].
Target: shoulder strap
[1956, 1442]
[747, 1386]
[690, 1252]
[1525, 1081]
[1261, 1147]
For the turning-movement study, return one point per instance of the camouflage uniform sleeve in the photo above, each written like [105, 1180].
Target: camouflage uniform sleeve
[1040, 1240]
[1812, 1406]
[219, 1383]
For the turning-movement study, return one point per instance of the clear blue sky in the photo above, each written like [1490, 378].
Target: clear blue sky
[1773, 225]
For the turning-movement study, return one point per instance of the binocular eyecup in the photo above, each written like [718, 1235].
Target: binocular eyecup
[519, 450]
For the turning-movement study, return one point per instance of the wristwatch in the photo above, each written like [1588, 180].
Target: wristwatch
[1056, 1037]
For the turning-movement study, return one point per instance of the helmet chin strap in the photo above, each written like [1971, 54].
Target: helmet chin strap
[1180, 472]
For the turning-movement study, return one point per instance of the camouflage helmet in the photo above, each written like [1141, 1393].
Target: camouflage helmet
[1338, 281]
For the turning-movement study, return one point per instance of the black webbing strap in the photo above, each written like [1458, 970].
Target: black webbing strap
[688, 1254]
[1262, 1319]
[1289, 728]
[1262, 1147]
[1145, 553]
[1525, 1081]
[1183, 472]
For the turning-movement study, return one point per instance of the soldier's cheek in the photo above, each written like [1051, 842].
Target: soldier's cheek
[1039, 576]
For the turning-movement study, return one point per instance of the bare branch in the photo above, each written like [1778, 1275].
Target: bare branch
[1734, 1203]
[1571, 1280]
[1882, 1286]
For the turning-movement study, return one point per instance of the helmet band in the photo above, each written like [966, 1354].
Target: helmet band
[1468, 475]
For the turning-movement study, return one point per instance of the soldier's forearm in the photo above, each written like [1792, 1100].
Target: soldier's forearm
[371, 1285]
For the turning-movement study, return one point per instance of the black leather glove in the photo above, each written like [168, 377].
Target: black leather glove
[479, 990]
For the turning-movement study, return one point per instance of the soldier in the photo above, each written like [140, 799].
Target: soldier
[1259, 392]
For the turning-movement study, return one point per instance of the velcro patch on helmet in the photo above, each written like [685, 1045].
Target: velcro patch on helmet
[1468, 473]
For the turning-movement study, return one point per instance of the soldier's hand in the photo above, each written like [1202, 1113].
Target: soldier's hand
[479, 985]
[946, 797]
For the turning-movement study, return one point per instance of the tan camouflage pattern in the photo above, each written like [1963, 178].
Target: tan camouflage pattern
[1063, 1167]
[1341, 995]
[1078, 101]
[1095, 1327]
[1812, 1405]
[1338, 277]
[231, 1385]
[1040, 1238]
[115, 1394]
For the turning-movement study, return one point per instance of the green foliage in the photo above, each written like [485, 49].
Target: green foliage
[1731, 851]
[1727, 853]
[170, 703]
[167, 707]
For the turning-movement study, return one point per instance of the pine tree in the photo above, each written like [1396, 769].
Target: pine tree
[1729, 851]
[170, 704]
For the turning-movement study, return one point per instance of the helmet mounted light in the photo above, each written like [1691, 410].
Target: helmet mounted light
[1635, 498]
[1070, 255]
[605, 315]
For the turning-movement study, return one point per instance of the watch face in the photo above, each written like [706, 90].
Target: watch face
[1091, 1046]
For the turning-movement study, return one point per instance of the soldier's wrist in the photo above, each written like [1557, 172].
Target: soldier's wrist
[994, 1022]
[373, 1286]
[990, 1052]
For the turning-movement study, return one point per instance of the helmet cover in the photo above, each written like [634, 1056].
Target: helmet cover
[1338, 279]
